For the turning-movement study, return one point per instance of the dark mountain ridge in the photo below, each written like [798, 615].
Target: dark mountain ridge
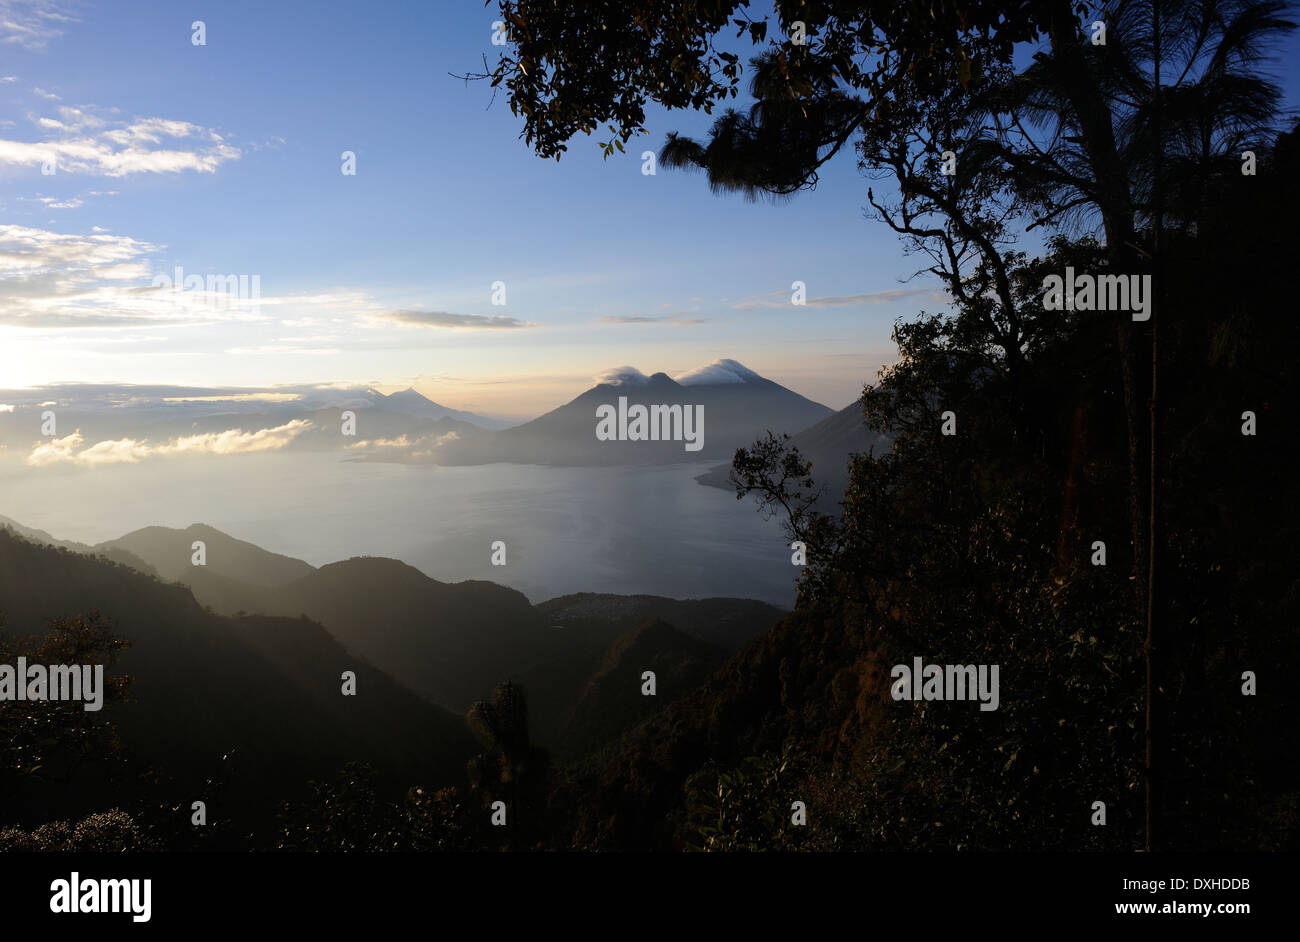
[265, 691]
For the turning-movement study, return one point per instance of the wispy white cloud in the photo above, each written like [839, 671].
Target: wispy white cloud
[238, 397]
[621, 376]
[56, 450]
[64, 279]
[447, 319]
[400, 441]
[56, 280]
[421, 446]
[80, 141]
[648, 319]
[52, 202]
[270, 349]
[435, 444]
[31, 24]
[70, 448]
[781, 299]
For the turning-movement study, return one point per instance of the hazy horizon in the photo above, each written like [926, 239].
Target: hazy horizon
[189, 392]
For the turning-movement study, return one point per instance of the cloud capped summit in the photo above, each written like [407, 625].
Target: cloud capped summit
[622, 376]
[717, 372]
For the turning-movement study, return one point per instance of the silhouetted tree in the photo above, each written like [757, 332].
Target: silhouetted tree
[509, 769]
[43, 743]
[1140, 135]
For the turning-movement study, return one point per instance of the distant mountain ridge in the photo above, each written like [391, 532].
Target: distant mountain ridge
[738, 406]
[115, 553]
[170, 553]
[159, 414]
[450, 643]
[169, 404]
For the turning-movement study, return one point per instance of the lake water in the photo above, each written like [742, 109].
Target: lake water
[622, 530]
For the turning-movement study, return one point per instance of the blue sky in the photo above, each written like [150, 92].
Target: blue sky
[225, 159]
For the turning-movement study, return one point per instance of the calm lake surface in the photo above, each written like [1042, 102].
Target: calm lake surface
[622, 530]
